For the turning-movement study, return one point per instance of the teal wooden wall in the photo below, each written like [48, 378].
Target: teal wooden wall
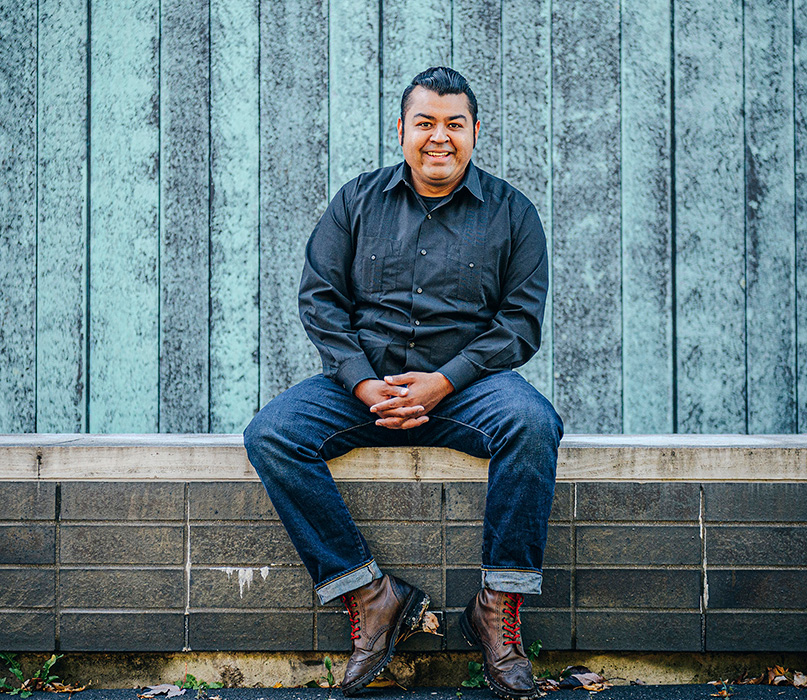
[162, 164]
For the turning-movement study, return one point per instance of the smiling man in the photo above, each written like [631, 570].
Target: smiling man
[424, 286]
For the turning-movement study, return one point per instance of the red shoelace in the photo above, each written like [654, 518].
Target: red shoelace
[353, 611]
[512, 630]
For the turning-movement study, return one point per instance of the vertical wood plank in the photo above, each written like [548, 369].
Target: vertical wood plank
[586, 220]
[235, 156]
[800, 102]
[769, 217]
[416, 36]
[710, 267]
[527, 136]
[18, 105]
[62, 238]
[353, 89]
[477, 34]
[184, 216]
[647, 358]
[124, 227]
[294, 177]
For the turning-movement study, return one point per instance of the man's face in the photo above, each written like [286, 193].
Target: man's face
[437, 141]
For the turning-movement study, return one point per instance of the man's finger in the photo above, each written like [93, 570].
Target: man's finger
[398, 379]
[401, 423]
[394, 402]
[399, 411]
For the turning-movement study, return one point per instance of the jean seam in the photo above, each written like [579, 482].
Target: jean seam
[344, 573]
[472, 427]
[346, 430]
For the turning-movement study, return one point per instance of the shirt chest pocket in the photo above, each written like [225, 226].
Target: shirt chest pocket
[376, 267]
[469, 265]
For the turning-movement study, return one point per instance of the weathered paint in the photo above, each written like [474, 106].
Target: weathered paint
[18, 106]
[322, 69]
[234, 311]
[586, 220]
[353, 90]
[184, 216]
[294, 178]
[709, 211]
[416, 35]
[477, 54]
[769, 217]
[527, 137]
[62, 210]
[647, 359]
[124, 228]
[800, 141]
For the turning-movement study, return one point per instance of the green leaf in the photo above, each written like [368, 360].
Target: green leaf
[534, 649]
[328, 663]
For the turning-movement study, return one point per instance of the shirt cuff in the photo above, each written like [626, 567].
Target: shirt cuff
[354, 370]
[460, 371]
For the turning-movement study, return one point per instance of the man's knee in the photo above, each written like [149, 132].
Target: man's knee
[534, 416]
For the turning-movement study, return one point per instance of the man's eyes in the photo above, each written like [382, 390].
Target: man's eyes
[428, 125]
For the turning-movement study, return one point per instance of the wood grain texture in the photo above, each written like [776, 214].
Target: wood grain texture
[709, 212]
[416, 35]
[354, 98]
[62, 208]
[184, 216]
[477, 54]
[608, 458]
[235, 157]
[800, 140]
[294, 178]
[586, 221]
[769, 217]
[527, 137]
[647, 342]
[18, 108]
[124, 226]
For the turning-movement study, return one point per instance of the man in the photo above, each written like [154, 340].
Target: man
[424, 285]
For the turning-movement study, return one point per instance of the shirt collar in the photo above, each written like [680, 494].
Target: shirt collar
[470, 180]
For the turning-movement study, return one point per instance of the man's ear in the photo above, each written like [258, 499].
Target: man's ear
[400, 131]
[476, 132]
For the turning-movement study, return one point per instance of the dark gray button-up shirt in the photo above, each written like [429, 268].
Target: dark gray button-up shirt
[389, 286]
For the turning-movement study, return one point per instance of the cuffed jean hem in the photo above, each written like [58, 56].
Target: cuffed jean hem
[512, 580]
[348, 581]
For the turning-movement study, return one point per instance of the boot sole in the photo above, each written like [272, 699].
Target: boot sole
[473, 640]
[416, 605]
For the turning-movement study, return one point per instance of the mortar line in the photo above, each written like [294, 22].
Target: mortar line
[57, 545]
[573, 568]
[704, 602]
[444, 562]
[186, 533]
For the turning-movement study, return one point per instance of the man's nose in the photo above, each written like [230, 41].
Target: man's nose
[439, 134]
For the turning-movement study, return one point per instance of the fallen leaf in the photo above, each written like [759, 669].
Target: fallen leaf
[168, 689]
[279, 684]
[721, 694]
[799, 679]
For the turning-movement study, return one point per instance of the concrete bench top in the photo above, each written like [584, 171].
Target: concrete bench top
[206, 457]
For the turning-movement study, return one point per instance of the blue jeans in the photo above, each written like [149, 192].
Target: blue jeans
[500, 417]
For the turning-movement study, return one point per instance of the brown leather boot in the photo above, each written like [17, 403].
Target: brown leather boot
[492, 622]
[378, 613]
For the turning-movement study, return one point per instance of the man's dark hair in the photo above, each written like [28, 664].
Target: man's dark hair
[443, 81]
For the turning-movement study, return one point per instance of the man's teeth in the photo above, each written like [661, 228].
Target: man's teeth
[437, 153]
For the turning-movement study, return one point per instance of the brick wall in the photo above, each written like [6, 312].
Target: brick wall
[167, 566]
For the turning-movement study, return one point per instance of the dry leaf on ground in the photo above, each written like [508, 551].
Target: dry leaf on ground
[168, 689]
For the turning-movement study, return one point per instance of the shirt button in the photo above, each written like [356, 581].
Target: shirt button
[420, 291]
[411, 345]
[423, 251]
[428, 216]
[470, 264]
[417, 323]
[372, 257]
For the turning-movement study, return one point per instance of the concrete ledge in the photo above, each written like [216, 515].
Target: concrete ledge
[634, 458]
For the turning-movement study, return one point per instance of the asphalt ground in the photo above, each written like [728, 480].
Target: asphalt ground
[625, 692]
